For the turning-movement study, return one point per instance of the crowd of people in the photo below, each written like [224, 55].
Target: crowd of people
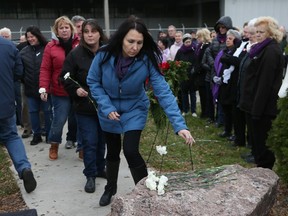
[95, 85]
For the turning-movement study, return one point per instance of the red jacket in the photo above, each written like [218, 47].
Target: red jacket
[51, 67]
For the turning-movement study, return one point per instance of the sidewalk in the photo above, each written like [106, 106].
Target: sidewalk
[60, 183]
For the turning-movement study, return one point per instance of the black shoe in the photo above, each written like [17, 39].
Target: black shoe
[26, 134]
[107, 195]
[250, 159]
[29, 180]
[90, 185]
[224, 134]
[231, 138]
[36, 139]
[102, 174]
[218, 125]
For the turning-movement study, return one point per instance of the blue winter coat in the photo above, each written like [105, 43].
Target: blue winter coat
[128, 96]
[11, 69]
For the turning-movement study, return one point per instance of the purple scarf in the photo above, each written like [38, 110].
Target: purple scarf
[185, 49]
[198, 49]
[221, 38]
[258, 47]
[217, 66]
[123, 65]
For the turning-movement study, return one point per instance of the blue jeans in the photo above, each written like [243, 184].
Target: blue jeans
[11, 140]
[61, 106]
[34, 106]
[93, 143]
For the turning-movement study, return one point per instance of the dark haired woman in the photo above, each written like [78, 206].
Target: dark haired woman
[116, 79]
[77, 63]
[31, 56]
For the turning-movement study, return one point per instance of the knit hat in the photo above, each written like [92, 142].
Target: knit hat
[186, 37]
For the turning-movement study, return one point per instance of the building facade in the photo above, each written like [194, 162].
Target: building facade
[158, 15]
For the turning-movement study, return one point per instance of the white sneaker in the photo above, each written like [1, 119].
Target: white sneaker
[194, 114]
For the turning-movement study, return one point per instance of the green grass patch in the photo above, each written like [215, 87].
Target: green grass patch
[209, 150]
[8, 183]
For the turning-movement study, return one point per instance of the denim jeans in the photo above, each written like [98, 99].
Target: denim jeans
[93, 143]
[15, 147]
[61, 106]
[34, 106]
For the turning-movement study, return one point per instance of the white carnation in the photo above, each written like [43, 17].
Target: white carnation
[151, 184]
[42, 90]
[161, 150]
[67, 75]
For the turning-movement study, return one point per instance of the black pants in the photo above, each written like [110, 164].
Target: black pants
[259, 129]
[131, 152]
[240, 127]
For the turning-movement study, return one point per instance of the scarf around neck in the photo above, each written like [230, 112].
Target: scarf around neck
[186, 49]
[67, 45]
[221, 38]
[123, 65]
[258, 47]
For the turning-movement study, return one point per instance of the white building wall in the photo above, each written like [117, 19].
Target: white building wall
[244, 10]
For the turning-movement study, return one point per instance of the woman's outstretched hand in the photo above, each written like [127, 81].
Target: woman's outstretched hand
[189, 140]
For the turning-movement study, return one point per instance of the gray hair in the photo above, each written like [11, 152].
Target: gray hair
[77, 18]
[235, 33]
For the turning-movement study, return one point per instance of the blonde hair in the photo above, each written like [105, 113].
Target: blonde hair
[205, 34]
[272, 27]
[61, 20]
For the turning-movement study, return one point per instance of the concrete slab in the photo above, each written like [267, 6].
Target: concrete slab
[60, 189]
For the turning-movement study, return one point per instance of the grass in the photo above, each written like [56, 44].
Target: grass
[8, 184]
[208, 151]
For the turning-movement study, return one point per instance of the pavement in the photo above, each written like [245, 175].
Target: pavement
[60, 183]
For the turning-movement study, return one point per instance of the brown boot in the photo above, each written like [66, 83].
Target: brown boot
[53, 151]
[80, 154]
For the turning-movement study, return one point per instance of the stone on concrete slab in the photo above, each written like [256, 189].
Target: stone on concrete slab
[229, 190]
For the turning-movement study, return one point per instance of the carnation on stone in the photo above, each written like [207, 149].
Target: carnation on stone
[151, 184]
[67, 75]
[161, 150]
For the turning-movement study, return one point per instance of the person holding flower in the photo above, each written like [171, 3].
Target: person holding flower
[63, 41]
[116, 81]
[74, 73]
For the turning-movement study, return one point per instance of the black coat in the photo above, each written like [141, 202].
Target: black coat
[187, 56]
[262, 81]
[32, 58]
[77, 63]
[228, 91]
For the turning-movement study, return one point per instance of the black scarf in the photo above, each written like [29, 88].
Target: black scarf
[67, 45]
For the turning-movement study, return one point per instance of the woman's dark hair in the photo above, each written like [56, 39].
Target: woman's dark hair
[34, 30]
[95, 26]
[164, 41]
[150, 48]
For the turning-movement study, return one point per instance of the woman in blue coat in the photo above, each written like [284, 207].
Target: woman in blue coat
[116, 81]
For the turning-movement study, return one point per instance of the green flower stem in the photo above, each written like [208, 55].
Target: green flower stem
[152, 147]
